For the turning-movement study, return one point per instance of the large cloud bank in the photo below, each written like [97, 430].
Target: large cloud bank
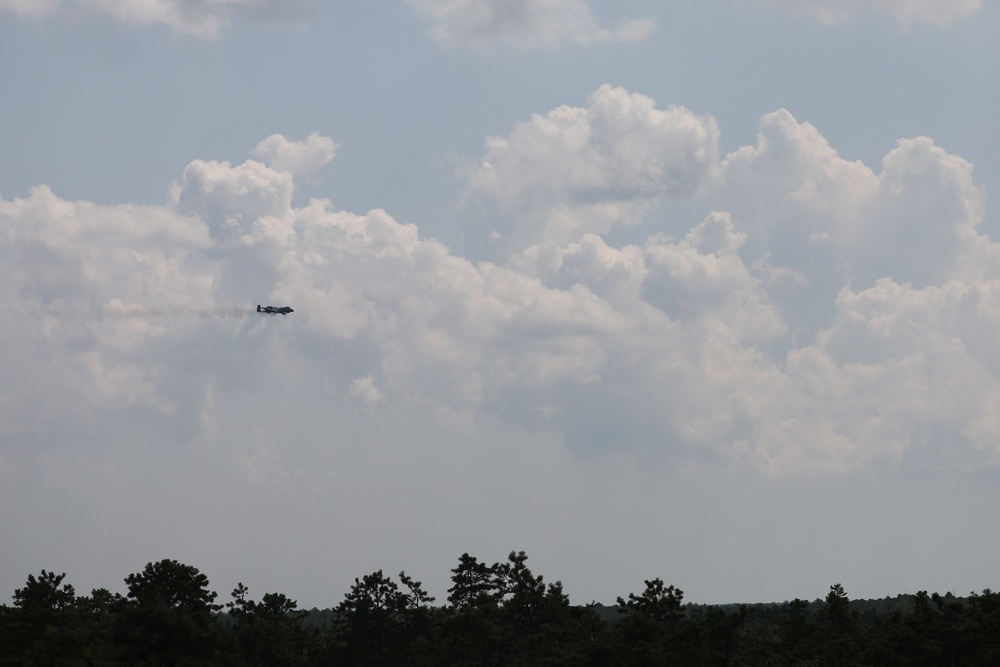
[823, 319]
[821, 323]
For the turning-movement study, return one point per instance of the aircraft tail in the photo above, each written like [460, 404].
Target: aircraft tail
[258, 307]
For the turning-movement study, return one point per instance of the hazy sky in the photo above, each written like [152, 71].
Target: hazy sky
[701, 290]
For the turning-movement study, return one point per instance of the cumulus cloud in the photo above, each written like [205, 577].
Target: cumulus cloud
[204, 18]
[296, 157]
[66, 264]
[763, 298]
[897, 256]
[231, 199]
[696, 348]
[904, 11]
[779, 336]
[577, 170]
[523, 24]
[909, 222]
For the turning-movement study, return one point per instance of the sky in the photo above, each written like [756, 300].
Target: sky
[699, 290]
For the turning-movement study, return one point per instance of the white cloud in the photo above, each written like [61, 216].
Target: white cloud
[901, 380]
[667, 362]
[233, 200]
[71, 266]
[910, 222]
[905, 11]
[687, 346]
[578, 170]
[204, 18]
[296, 157]
[895, 361]
[523, 24]
[703, 276]
[820, 229]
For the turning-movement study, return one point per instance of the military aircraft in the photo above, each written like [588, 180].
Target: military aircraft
[274, 310]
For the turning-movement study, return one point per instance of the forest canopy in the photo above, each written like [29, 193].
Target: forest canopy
[495, 614]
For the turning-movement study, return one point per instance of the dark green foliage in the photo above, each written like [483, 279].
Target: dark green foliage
[652, 630]
[44, 626]
[499, 614]
[504, 614]
[379, 623]
[269, 632]
[168, 617]
[474, 584]
[370, 622]
[839, 630]
[50, 625]
[719, 639]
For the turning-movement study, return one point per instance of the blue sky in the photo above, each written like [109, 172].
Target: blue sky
[702, 291]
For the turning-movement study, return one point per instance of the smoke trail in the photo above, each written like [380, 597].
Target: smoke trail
[116, 310]
[124, 312]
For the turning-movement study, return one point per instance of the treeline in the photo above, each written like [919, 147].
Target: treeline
[495, 614]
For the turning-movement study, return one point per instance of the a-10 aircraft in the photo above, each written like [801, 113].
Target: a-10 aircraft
[274, 310]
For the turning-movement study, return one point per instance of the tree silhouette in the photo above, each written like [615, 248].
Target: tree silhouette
[839, 628]
[474, 584]
[268, 632]
[370, 620]
[499, 614]
[168, 616]
[44, 628]
[650, 631]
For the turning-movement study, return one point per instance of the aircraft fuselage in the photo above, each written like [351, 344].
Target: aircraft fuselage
[274, 310]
